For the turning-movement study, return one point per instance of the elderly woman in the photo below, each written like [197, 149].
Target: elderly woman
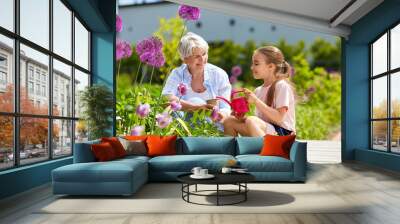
[204, 81]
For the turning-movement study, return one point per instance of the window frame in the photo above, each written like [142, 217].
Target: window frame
[388, 74]
[16, 114]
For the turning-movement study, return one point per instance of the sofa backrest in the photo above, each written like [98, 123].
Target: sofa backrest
[249, 145]
[206, 145]
[83, 152]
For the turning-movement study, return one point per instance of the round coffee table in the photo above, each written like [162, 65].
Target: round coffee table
[238, 179]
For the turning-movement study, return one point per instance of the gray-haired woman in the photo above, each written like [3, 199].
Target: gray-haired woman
[204, 81]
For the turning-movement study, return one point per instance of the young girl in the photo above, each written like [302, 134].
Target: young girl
[274, 100]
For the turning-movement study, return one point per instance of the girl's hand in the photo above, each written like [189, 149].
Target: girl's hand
[250, 96]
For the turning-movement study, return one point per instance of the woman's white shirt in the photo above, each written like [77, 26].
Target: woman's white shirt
[216, 82]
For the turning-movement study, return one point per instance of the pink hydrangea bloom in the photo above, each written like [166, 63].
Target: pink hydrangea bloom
[175, 106]
[182, 89]
[123, 50]
[118, 24]
[163, 120]
[143, 110]
[137, 130]
[236, 70]
[189, 12]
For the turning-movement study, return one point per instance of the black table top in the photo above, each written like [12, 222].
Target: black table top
[220, 178]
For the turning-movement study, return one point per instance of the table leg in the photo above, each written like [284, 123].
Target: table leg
[217, 194]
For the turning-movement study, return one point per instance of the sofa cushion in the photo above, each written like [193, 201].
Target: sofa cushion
[277, 145]
[111, 171]
[185, 163]
[206, 145]
[103, 151]
[134, 147]
[161, 145]
[257, 163]
[116, 145]
[83, 152]
[249, 145]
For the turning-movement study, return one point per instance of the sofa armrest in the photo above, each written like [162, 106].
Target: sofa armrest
[83, 152]
[298, 155]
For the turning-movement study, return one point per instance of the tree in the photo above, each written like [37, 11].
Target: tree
[33, 130]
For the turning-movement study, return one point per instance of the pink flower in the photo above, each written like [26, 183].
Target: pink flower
[311, 90]
[233, 79]
[123, 50]
[236, 70]
[214, 113]
[118, 24]
[149, 45]
[143, 110]
[137, 130]
[157, 60]
[163, 120]
[182, 89]
[292, 72]
[175, 106]
[188, 12]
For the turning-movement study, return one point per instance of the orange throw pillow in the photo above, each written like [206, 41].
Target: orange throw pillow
[161, 145]
[103, 152]
[277, 145]
[116, 145]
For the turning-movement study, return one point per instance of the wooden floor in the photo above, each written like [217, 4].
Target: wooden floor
[378, 189]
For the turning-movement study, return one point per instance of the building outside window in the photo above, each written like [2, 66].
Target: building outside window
[34, 67]
[385, 97]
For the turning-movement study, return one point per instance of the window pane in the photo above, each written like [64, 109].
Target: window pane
[35, 21]
[81, 81]
[81, 45]
[6, 74]
[6, 142]
[34, 97]
[395, 136]
[395, 47]
[7, 14]
[81, 131]
[395, 94]
[62, 141]
[379, 55]
[62, 89]
[379, 97]
[379, 135]
[62, 29]
[33, 139]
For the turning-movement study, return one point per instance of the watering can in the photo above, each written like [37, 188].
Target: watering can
[239, 105]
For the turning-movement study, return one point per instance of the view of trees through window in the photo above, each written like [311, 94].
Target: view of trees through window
[39, 113]
[385, 95]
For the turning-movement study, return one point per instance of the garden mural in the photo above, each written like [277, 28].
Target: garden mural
[142, 69]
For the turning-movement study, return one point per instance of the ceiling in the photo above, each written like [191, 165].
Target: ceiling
[333, 17]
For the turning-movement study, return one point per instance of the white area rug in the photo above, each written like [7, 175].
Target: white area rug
[166, 198]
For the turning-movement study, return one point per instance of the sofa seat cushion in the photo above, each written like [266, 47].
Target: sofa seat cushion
[257, 163]
[112, 171]
[185, 163]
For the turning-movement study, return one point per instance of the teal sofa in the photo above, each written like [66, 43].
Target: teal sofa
[125, 176]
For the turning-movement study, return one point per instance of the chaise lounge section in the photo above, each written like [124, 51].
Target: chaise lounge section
[125, 176]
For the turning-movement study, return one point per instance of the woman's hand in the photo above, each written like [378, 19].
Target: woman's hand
[201, 107]
[250, 96]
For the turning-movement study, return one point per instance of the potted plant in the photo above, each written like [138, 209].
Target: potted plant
[97, 103]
